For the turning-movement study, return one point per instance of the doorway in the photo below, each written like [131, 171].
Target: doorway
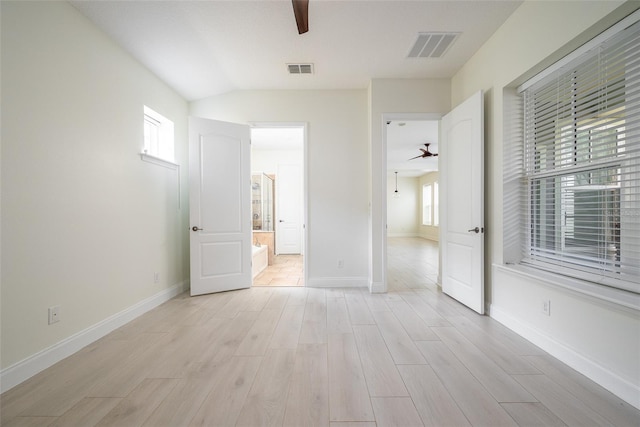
[412, 197]
[278, 203]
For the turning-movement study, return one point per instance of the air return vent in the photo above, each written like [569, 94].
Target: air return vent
[432, 45]
[300, 68]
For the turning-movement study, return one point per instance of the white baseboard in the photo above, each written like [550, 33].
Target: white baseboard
[617, 385]
[377, 288]
[402, 235]
[25, 369]
[338, 282]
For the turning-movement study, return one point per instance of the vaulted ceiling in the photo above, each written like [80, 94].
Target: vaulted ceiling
[204, 48]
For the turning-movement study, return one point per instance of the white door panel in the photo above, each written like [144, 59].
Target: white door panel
[462, 195]
[220, 206]
[289, 196]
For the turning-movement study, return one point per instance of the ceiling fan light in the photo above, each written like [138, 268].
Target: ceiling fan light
[301, 12]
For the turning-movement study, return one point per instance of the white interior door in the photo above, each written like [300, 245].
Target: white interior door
[462, 202]
[220, 206]
[289, 209]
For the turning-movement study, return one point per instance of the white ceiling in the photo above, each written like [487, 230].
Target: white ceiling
[204, 48]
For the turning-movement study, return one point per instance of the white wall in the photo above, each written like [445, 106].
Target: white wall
[598, 338]
[267, 161]
[337, 170]
[431, 232]
[85, 222]
[402, 210]
[393, 96]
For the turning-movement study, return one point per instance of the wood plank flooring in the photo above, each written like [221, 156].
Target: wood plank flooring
[292, 356]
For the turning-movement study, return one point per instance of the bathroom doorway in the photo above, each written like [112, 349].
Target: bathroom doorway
[278, 203]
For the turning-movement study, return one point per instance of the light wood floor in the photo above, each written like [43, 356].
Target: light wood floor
[298, 357]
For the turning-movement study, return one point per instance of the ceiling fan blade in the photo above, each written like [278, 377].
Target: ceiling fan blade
[416, 157]
[301, 11]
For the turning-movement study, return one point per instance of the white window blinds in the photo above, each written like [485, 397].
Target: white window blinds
[582, 165]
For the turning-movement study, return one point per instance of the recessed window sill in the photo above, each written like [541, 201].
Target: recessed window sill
[158, 161]
[620, 298]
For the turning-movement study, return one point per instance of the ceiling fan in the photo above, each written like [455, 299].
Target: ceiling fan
[425, 153]
[301, 11]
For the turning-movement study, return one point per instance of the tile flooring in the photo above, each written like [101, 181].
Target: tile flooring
[286, 270]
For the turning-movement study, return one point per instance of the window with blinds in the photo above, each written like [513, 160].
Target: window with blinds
[582, 165]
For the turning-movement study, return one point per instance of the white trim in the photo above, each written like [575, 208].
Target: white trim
[25, 369]
[379, 186]
[591, 369]
[158, 161]
[305, 185]
[338, 282]
[617, 298]
[403, 235]
[594, 42]
[377, 288]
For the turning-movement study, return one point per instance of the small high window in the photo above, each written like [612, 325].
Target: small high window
[158, 136]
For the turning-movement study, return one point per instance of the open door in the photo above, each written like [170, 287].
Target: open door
[462, 203]
[220, 206]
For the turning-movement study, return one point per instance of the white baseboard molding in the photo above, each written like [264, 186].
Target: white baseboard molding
[617, 385]
[402, 235]
[338, 282]
[25, 369]
[430, 238]
[377, 288]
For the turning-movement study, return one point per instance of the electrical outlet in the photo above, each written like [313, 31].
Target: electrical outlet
[546, 307]
[156, 277]
[340, 263]
[54, 314]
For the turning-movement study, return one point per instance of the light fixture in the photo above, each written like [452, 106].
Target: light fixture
[395, 193]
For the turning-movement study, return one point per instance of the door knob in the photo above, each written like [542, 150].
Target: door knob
[475, 230]
[195, 228]
[281, 220]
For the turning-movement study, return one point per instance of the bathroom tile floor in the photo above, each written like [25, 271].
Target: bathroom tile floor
[286, 270]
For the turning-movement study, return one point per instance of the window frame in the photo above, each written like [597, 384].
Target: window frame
[602, 166]
[158, 148]
[427, 205]
[430, 205]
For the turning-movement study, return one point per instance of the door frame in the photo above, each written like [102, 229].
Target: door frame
[381, 186]
[305, 184]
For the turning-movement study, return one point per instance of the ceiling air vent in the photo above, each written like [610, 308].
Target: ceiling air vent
[300, 68]
[432, 45]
